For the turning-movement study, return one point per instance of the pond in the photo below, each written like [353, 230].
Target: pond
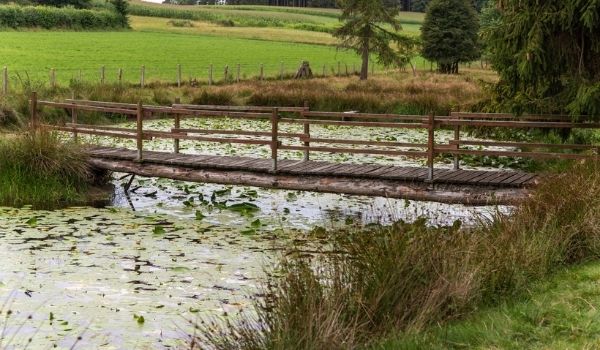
[133, 274]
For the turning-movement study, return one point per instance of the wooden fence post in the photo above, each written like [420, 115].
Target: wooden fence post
[210, 75]
[102, 74]
[177, 125]
[226, 74]
[80, 76]
[324, 69]
[178, 75]
[430, 146]
[274, 137]
[33, 111]
[237, 77]
[281, 71]
[52, 78]
[5, 81]
[262, 71]
[346, 65]
[306, 132]
[140, 131]
[143, 77]
[338, 71]
[120, 76]
[74, 118]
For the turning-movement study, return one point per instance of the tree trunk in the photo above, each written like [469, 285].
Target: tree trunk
[364, 70]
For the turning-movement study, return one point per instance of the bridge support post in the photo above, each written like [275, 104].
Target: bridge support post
[430, 146]
[177, 124]
[140, 131]
[274, 137]
[306, 132]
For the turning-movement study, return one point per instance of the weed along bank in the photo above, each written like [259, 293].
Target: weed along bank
[307, 175]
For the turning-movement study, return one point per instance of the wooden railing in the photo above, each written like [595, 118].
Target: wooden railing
[278, 140]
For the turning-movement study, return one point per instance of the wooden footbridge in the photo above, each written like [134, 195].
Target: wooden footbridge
[453, 185]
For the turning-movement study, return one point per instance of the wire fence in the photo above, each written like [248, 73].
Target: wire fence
[178, 75]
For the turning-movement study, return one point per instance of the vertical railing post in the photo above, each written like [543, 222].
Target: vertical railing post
[143, 77]
[226, 74]
[102, 74]
[33, 111]
[74, 118]
[306, 132]
[338, 71]
[210, 75]
[5, 81]
[237, 77]
[120, 76]
[274, 137]
[456, 146]
[324, 70]
[262, 71]
[140, 131]
[430, 146]
[177, 125]
[179, 75]
[281, 71]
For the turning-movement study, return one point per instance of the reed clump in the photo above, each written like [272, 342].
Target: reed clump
[403, 277]
[41, 170]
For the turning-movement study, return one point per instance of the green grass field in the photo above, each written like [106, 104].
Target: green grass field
[561, 313]
[268, 35]
[35, 53]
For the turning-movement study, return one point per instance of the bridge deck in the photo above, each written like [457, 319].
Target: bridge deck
[321, 168]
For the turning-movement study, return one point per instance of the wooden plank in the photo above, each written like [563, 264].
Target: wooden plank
[522, 144]
[519, 124]
[87, 108]
[351, 123]
[363, 115]
[368, 143]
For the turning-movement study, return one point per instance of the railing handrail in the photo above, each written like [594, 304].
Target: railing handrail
[274, 138]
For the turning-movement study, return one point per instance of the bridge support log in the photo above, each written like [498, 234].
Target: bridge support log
[453, 194]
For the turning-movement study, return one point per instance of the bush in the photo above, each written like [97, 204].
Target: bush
[13, 16]
[180, 23]
[407, 276]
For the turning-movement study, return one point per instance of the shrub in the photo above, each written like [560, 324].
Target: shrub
[13, 16]
[180, 23]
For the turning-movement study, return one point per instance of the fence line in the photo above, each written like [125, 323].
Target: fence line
[278, 140]
[140, 74]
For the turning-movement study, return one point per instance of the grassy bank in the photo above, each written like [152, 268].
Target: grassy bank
[406, 277]
[560, 313]
[42, 171]
[393, 93]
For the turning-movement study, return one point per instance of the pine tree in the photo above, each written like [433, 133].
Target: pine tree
[365, 30]
[450, 34]
[547, 54]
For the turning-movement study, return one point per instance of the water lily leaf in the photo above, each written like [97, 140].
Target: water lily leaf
[199, 215]
[158, 230]
[244, 207]
[32, 222]
[256, 223]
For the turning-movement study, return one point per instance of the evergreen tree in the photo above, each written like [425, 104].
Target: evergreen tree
[450, 34]
[365, 30]
[547, 54]
[121, 7]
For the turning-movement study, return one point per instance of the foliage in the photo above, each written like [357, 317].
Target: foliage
[548, 56]
[121, 7]
[489, 20]
[378, 280]
[449, 34]
[364, 30]
[14, 16]
[41, 170]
